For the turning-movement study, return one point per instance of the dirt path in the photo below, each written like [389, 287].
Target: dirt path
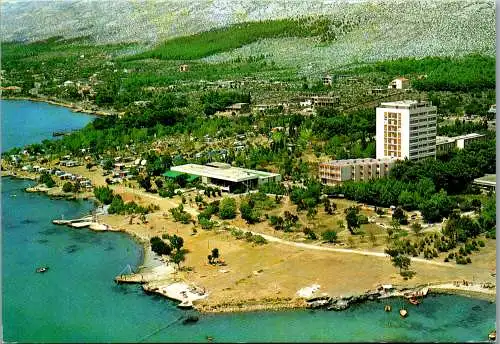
[341, 250]
[194, 212]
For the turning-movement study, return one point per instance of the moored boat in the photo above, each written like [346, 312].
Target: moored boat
[387, 308]
[414, 301]
[403, 312]
[492, 335]
[42, 269]
[190, 319]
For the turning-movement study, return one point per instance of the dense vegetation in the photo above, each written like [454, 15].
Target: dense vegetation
[227, 38]
[468, 73]
[426, 185]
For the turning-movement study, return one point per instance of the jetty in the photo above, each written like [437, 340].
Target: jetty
[73, 221]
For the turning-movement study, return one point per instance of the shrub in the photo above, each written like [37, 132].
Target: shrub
[259, 239]
[481, 243]
[363, 220]
[237, 233]
[205, 223]
[227, 208]
[468, 260]
[68, 187]
[309, 233]
[329, 235]
[46, 179]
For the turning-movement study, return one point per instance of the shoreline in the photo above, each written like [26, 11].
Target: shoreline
[156, 276]
[74, 107]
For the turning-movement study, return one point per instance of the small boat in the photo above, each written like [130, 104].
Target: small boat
[414, 301]
[403, 312]
[492, 335]
[190, 319]
[387, 308]
[42, 269]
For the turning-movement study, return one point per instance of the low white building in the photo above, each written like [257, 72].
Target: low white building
[446, 144]
[227, 177]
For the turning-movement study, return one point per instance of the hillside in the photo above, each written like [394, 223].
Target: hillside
[385, 30]
[148, 21]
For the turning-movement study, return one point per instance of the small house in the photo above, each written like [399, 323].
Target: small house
[183, 68]
[238, 108]
[399, 84]
[327, 80]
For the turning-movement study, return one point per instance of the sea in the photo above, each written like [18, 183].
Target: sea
[77, 300]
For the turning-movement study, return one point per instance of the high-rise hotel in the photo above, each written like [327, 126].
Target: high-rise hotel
[406, 129]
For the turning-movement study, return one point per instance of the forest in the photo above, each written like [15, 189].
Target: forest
[234, 36]
[463, 74]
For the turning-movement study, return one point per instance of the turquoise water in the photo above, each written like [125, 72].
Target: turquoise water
[25, 122]
[77, 300]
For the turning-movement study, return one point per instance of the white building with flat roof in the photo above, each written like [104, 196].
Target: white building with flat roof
[228, 177]
[406, 129]
[446, 144]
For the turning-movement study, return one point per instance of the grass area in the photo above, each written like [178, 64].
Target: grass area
[235, 36]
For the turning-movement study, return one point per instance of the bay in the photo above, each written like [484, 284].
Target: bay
[26, 122]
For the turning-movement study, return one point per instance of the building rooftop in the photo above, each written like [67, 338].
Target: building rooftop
[358, 161]
[489, 179]
[233, 174]
[468, 136]
[446, 139]
[405, 104]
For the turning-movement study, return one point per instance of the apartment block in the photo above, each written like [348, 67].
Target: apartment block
[406, 129]
[338, 171]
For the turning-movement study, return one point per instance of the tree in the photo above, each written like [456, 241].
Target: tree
[214, 255]
[104, 194]
[159, 246]
[178, 257]
[68, 187]
[352, 219]
[145, 182]
[400, 216]
[402, 262]
[159, 183]
[108, 164]
[46, 179]
[416, 227]
[329, 235]
[177, 242]
[248, 213]
[227, 208]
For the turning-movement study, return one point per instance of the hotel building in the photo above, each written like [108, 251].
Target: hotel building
[406, 129]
